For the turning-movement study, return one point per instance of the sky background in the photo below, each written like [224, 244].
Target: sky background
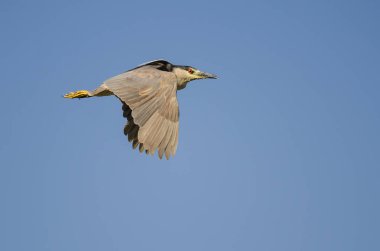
[281, 152]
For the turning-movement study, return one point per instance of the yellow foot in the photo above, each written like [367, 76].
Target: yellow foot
[78, 94]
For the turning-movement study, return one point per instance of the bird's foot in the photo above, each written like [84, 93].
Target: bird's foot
[78, 94]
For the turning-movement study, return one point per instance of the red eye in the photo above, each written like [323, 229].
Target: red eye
[191, 71]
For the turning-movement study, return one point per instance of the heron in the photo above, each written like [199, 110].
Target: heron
[148, 94]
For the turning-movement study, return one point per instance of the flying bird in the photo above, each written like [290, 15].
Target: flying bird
[148, 94]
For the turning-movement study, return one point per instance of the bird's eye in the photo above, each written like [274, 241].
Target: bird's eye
[191, 71]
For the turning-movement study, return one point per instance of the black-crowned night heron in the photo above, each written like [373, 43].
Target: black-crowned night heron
[149, 97]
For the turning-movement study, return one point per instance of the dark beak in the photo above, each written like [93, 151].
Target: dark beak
[207, 75]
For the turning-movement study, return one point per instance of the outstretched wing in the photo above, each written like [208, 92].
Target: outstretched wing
[150, 104]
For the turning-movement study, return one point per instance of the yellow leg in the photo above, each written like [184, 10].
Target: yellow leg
[78, 94]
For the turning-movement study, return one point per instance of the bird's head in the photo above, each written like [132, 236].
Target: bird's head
[186, 74]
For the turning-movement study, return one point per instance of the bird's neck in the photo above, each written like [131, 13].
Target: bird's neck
[181, 86]
[182, 78]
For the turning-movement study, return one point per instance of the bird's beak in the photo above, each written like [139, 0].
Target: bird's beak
[206, 75]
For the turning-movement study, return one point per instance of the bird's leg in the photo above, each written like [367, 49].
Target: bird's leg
[99, 92]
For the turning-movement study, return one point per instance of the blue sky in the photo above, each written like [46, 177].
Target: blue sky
[280, 153]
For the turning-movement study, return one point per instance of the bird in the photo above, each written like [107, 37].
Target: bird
[148, 94]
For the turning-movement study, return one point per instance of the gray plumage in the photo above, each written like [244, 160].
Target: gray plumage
[149, 102]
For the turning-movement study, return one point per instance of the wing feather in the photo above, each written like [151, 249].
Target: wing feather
[151, 107]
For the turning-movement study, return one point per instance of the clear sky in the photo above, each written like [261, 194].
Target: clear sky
[281, 152]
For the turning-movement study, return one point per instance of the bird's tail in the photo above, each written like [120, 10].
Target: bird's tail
[78, 94]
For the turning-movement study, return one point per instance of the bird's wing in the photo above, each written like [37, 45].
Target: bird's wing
[150, 104]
